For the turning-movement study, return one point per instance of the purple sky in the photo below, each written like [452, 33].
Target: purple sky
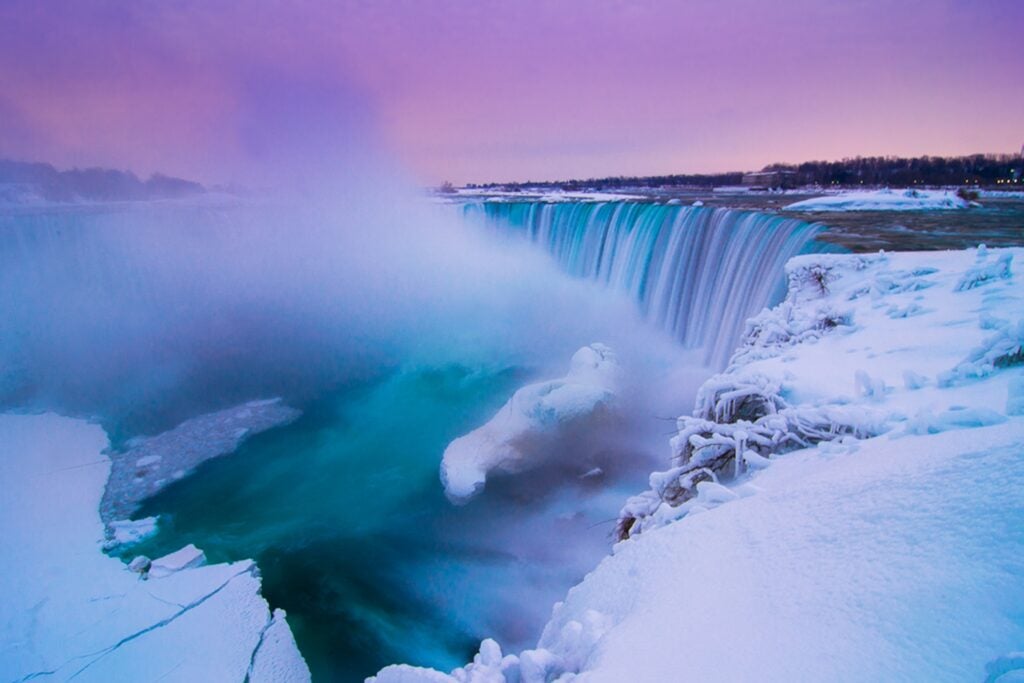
[478, 90]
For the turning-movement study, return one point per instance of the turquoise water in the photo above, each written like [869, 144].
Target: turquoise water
[178, 311]
[341, 511]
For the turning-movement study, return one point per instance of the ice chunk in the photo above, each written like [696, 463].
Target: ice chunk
[129, 532]
[883, 200]
[140, 565]
[518, 437]
[186, 558]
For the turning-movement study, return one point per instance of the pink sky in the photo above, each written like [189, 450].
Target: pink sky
[485, 90]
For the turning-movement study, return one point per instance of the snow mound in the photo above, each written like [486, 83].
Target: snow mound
[71, 612]
[519, 436]
[883, 200]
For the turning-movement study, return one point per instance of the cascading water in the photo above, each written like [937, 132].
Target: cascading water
[392, 341]
[696, 272]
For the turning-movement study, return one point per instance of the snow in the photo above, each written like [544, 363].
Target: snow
[69, 611]
[883, 200]
[525, 430]
[537, 195]
[1002, 194]
[874, 529]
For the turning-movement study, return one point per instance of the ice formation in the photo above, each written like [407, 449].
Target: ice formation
[883, 200]
[526, 428]
[71, 612]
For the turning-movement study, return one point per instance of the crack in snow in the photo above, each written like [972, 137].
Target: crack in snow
[100, 654]
[259, 644]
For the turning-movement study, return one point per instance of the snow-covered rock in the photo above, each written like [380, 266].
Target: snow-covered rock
[521, 434]
[69, 611]
[883, 200]
[890, 551]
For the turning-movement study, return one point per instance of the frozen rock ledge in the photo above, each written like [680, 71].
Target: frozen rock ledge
[71, 612]
[521, 435]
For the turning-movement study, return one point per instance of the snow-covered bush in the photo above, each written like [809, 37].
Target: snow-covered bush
[985, 273]
[739, 420]
[1005, 348]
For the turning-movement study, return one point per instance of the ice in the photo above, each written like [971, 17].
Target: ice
[129, 532]
[883, 200]
[187, 558]
[526, 428]
[927, 422]
[986, 272]
[1004, 348]
[70, 611]
[149, 463]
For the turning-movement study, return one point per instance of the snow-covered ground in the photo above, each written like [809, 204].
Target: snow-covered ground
[1002, 194]
[873, 526]
[539, 195]
[883, 200]
[71, 612]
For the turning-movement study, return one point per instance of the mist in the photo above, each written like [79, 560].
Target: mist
[331, 280]
[329, 266]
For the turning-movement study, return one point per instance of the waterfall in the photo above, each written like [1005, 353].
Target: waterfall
[698, 273]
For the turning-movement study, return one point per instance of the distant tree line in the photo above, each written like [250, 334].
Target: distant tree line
[975, 169]
[623, 182]
[95, 184]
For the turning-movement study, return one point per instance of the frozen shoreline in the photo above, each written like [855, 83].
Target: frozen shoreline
[72, 612]
[883, 200]
[890, 550]
[149, 464]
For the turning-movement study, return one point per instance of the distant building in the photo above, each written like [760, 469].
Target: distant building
[770, 180]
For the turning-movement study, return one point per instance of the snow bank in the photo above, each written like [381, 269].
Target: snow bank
[69, 611]
[836, 510]
[520, 436]
[540, 195]
[883, 200]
